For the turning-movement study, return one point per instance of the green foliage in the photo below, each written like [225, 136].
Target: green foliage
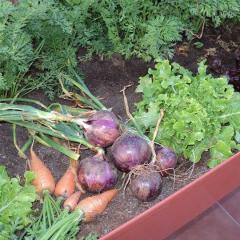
[53, 222]
[147, 29]
[201, 112]
[39, 38]
[15, 204]
[35, 37]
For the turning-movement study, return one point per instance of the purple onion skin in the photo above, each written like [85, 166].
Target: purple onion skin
[166, 160]
[146, 187]
[102, 129]
[97, 175]
[130, 150]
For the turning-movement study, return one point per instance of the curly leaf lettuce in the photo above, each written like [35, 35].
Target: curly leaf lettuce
[15, 203]
[201, 112]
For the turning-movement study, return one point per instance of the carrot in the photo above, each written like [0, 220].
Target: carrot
[72, 201]
[66, 185]
[95, 205]
[43, 177]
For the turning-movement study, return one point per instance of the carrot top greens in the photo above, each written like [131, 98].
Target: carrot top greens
[40, 38]
[201, 113]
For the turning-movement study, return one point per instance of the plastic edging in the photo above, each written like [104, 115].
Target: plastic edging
[175, 211]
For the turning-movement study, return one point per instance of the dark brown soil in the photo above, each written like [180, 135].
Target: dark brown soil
[105, 79]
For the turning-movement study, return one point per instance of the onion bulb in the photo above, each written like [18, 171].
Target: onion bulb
[97, 175]
[166, 160]
[146, 186]
[130, 150]
[102, 128]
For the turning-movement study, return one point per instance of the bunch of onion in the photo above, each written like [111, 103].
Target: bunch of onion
[48, 122]
[146, 183]
[91, 128]
[135, 154]
[96, 173]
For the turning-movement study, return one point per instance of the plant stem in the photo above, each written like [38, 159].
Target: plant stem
[154, 137]
[77, 97]
[59, 147]
[47, 131]
[129, 114]
[60, 224]
[12, 100]
[81, 85]
[20, 152]
[27, 144]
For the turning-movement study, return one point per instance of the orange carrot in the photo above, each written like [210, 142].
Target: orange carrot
[95, 205]
[66, 185]
[72, 201]
[43, 177]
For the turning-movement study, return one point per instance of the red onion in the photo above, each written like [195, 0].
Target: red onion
[102, 128]
[166, 160]
[130, 150]
[147, 186]
[96, 174]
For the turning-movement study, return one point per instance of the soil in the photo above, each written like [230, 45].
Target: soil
[106, 78]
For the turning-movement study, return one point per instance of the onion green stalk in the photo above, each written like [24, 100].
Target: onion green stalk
[48, 122]
[58, 134]
[79, 83]
[69, 110]
[76, 97]
[44, 140]
[12, 100]
[16, 112]
[56, 120]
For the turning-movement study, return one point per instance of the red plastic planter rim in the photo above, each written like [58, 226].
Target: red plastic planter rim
[175, 211]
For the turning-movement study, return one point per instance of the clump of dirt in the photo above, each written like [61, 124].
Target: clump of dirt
[16, 166]
[106, 78]
[220, 48]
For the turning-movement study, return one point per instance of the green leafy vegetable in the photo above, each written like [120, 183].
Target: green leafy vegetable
[39, 38]
[15, 203]
[201, 112]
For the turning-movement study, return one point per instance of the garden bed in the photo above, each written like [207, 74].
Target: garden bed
[105, 79]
